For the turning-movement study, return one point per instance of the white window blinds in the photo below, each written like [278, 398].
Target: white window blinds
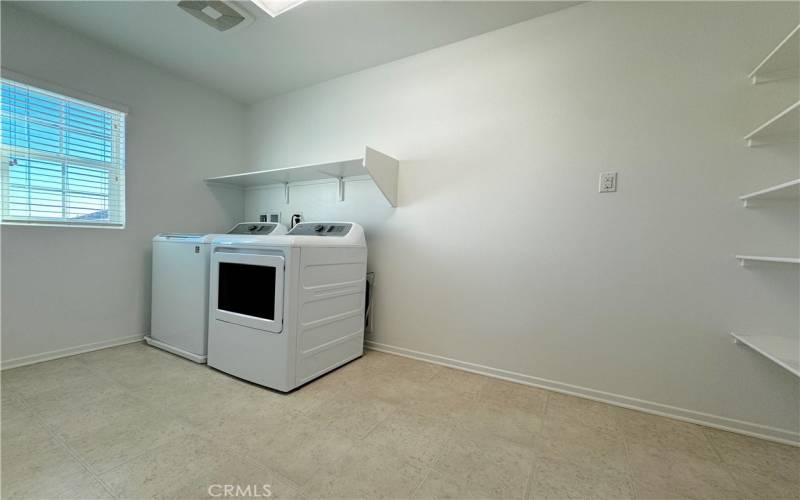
[63, 159]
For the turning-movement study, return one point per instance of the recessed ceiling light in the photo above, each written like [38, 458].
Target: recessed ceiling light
[277, 7]
[214, 13]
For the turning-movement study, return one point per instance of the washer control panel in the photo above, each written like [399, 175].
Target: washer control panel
[320, 229]
[253, 228]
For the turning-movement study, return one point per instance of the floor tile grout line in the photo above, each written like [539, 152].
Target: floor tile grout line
[128, 392]
[526, 494]
[729, 470]
[416, 489]
[714, 447]
[72, 453]
[628, 461]
[531, 472]
[395, 411]
[248, 456]
[546, 405]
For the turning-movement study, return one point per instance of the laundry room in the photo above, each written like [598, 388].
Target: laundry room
[399, 249]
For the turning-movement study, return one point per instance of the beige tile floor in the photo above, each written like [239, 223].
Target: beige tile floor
[135, 422]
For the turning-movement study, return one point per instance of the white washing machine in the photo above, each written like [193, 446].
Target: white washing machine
[284, 310]
[179, 311]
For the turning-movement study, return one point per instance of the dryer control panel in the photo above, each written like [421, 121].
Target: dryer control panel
[321, 229]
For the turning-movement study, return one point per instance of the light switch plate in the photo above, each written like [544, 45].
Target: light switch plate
[608, 182]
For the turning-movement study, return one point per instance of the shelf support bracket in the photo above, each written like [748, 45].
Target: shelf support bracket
[286, 192]
[340, 182]
[742, 262]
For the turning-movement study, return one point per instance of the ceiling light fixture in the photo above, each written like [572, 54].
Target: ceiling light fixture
[277, 7]
[215, 13]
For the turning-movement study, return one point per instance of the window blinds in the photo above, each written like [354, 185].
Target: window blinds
[62, 160]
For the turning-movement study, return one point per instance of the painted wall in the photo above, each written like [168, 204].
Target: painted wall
[502, 252]
[63, 288]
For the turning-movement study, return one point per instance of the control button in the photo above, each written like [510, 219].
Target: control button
[318, 228]
[252, 228]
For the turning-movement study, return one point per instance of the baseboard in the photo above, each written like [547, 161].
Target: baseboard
[69, 351]
[747, 428]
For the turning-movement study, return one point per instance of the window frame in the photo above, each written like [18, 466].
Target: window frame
[115, 196]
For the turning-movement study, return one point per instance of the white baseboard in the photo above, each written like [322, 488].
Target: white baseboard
[69, 351]
[728, 424]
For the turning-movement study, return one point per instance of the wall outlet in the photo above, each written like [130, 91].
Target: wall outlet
[270, 217]
[608, 182]
[296, 219]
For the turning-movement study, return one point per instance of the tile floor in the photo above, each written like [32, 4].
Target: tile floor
[135, 422]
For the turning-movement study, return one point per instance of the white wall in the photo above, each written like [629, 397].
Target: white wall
[502, 253]
[63, 288]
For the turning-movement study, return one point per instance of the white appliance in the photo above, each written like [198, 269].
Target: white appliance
[284, 310]
[179, 311]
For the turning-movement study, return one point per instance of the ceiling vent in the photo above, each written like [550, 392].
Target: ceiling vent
[215, 13]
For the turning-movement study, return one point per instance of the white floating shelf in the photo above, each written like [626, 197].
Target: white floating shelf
[785, 125]
[786, 191]
[783, 351]
[782, 62]
[382, 169]
[759, 258]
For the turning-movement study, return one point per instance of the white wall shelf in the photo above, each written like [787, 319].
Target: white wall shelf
[780, 350]
[782, 62]
[382, 169]
[786, 191]
[743, 259]
[781, 127]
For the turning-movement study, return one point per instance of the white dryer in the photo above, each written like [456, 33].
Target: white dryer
[284, 310]
[179, 311]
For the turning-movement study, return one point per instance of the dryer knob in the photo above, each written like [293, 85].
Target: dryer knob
[318, 228]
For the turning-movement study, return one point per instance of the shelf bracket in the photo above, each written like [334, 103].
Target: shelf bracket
[340, 184]
[745, 204]
[286, 192]
[742, 262]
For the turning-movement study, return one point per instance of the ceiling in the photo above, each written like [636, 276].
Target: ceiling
[311, 43]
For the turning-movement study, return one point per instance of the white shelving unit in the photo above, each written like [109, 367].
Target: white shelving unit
[786, 191]
[782, 62]
[743, 259]
[382, 169]
[779, 128]
[785, 352]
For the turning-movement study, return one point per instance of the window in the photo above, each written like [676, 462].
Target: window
[62, 159]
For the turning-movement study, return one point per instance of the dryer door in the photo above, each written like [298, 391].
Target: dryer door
[247, 289]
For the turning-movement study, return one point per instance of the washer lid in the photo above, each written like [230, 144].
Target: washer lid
[184, 237]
